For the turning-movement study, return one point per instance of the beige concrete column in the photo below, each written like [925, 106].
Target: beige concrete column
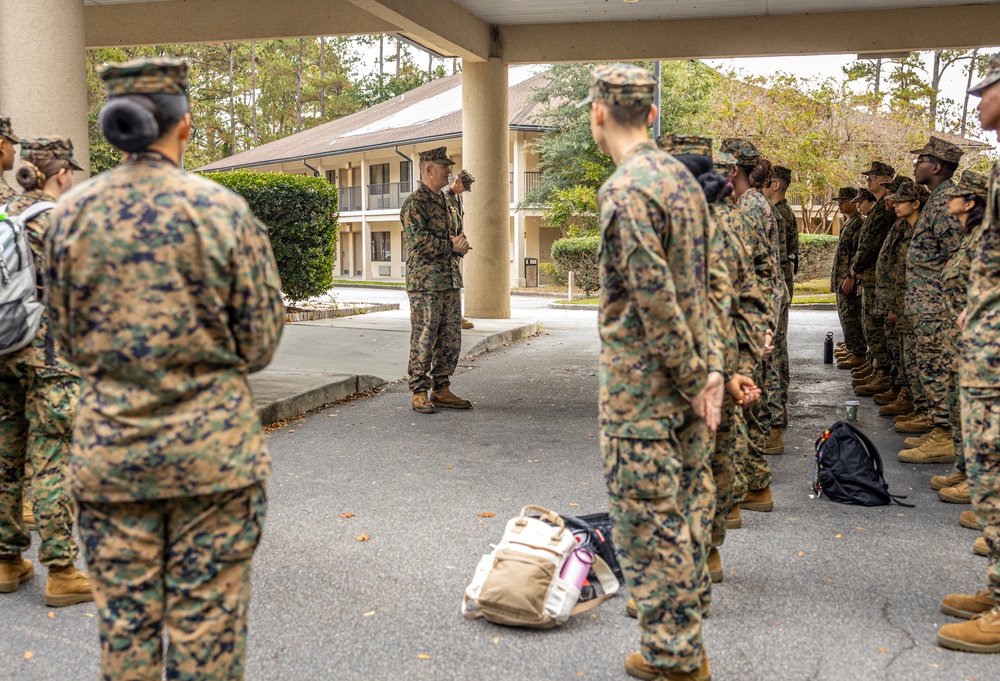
[43, 80]
[485, 125]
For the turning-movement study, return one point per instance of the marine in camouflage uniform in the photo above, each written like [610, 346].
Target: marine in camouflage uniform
[980, 401]
[955, 278]
[754, 468]
[461, 184]
[431, 221]
[654, 361]
[165, 292]
[936, 238]
[8, 140]
[39, 390]
[890, 287]
[848, 306]
[873, 232]
[788, 226]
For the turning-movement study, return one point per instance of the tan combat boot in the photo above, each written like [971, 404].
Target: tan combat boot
[758, 500]
[734, 520]
[466, 324]
[444, 397]
[880, 383]
[29, 514]
[630, 608]
[863, 371]
[887, 397]
[968, 606]
[903, 406]
[980, 547]
[422, 404]
[959, 494]
[715, 565]
[67, 587]
[919, 424]
[950, 480]
[851, 362]
[969, 520]
[937, 449]
[775, 442]
[14, 573]
[979, 635]
[917, 440]
[636, 665]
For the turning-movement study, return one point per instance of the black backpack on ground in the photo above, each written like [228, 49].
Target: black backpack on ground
[849, 469]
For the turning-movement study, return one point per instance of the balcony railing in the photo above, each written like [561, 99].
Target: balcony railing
[350, 199]
[388, 195]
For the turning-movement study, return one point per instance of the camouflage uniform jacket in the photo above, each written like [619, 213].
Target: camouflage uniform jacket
[980, 365]
[6, 193]
[759, 211]
[870, 239]
[789, 227]
[457, 210]
[164, 290]
[890, 270]
[720, 298]
[42, 352]
[936, 237]
[653, 307]
[428, 223]
[955, 276]
[748, 315]
[847, 244]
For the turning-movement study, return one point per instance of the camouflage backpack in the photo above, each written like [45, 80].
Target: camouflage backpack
[20, 305]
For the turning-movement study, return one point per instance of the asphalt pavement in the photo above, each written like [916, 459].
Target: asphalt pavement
[813, 590]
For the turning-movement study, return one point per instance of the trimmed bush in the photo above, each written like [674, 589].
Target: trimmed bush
[301, 217]
[816, 253]
[578, 254]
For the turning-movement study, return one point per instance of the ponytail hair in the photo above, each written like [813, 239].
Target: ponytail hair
[30, 176]
[759, 174]
[133, 122]
[714, 185]
[977, 213]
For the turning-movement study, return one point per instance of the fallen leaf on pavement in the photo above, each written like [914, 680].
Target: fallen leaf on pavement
[369, 613]
[827, 580]
[839, 536]
[574, 504]
[861, 529]
[52, 615]
[348, 514]
[423, 656]
[881, 649]
[801, 553]
[362, 537]
[487, 514]
[496, 640]
[28, 655]
[932, 664]
[448, 468]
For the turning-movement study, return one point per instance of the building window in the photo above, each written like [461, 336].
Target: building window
[378, 176]
[404, 176]
[381, 248]
[331, 176]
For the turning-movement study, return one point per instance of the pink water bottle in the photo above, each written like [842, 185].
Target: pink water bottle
[577, 566]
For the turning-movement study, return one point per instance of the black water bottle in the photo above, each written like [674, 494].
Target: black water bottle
[828, 349]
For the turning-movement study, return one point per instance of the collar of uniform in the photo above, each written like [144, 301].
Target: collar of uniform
[947, 184]
[149, 155]
[640, 148]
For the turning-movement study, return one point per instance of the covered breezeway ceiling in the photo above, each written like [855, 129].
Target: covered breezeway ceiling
[545, 31]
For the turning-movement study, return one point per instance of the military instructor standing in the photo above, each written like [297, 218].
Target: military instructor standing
[164, 291]
[433, 284]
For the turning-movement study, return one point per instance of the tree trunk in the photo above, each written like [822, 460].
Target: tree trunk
[232, 100]
[935, 84]
[430, 64]
[968, 84]
[398, 59]
[298, 91]
[381, 53]
[253, 89]
[322, 79]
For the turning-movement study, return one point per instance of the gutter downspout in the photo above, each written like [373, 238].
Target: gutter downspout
[395, 148]
[315, 172]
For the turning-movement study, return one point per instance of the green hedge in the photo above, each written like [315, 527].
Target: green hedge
[301, 217]
[816, 253]
[578, 254]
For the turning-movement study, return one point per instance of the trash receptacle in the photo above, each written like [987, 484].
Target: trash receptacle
[531, 272]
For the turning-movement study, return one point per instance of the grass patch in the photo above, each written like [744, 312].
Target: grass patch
[581, 301]
[812, 287]
[359, 282]
[816, 298]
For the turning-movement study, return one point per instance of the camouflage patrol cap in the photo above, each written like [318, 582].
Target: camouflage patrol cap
[437, 155]
[969, 183]
[723, 159]
[685, 144]
[782, 173]
[621, 85]
[992, 76]
[467, 179]
[893, 184]
[880, 168]
[846, 194]
[864, 195]
[51, 148]
[941, 149]
[909, 191]
[742, 150]
[7, 130]
[146, 76]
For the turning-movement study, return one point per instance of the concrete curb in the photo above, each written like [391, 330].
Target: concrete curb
[334, 312]
[571, 306]
[813, 306]
[290, 407]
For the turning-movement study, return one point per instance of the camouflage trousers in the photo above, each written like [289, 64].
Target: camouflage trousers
[930, 361]
[777, 378]
[894, 334]
[981, 425]
[661, 500]
[730, 441]
[180, 566]
[954, 341]
[849, 311]
[752, 469]
[871, 321]
[37, 405]
[435, 338]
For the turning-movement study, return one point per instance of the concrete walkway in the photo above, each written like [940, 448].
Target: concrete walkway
[326, 360]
